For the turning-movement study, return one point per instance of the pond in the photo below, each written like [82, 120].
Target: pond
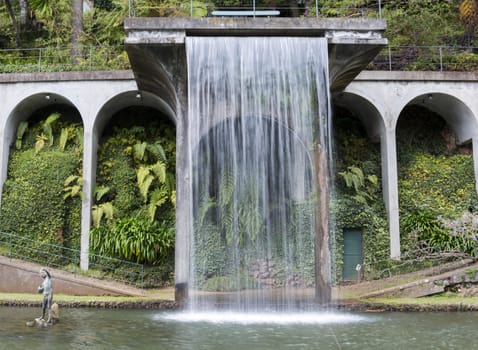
[152, 329]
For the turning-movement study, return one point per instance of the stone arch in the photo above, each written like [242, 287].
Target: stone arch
[374, 123]
[455, 112]
[23, 111]
[129, 99]
[456, 116]
[364, 110]
[114, 105]
[212, 163]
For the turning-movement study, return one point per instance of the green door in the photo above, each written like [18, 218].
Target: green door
[352, 253]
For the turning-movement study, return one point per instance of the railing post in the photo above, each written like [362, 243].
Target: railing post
[10, 245]
[316, 8]
[379, 9]
[39, 60]
[91, 58]
[389, 58]
[191, 8]
[441, 59]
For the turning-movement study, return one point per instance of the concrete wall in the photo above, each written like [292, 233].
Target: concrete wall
[97, 96]
[21, 277]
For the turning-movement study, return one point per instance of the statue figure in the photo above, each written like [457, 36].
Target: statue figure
[47, 290]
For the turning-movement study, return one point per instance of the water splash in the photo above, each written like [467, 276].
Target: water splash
[274, 318]
[258, 107]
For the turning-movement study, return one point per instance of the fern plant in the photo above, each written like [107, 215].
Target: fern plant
[105, 210]
[73, 187]
[364, 187]
[46, 136]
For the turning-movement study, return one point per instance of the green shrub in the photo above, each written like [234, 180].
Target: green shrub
[134, 239]
[32, 202]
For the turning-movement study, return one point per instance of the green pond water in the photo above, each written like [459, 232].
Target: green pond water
[147, 329]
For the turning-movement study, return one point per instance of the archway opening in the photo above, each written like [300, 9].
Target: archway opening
[360, 213]
[253, 210]
[436, 178]
[41, 198]
[134, 196]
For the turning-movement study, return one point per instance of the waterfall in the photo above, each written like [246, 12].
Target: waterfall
[258, 109]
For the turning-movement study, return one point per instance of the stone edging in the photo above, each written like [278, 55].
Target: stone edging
[99, 304]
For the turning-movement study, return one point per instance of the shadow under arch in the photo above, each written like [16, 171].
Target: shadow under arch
[133, 98]
[454, 111]
[365, 111]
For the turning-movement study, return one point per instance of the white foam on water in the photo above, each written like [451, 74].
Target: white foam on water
[277, 318]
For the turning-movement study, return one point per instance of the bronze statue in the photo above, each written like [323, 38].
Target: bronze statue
[47, 289]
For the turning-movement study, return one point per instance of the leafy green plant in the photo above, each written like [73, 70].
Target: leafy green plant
[37, 202]
[46, 136]
[134, 239]
[73, 187]
[364, 187]
[102, 210]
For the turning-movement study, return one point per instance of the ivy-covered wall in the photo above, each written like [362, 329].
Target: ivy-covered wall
[41, 199]
[436, 187]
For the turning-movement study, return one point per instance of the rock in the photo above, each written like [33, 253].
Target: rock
[55, 313]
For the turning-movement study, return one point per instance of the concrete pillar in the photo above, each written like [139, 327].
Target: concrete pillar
[90, 145]
[390, 188]
[474, 141]
[183, 200]
[323, 290]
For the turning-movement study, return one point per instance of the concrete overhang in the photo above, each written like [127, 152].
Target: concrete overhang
[156, 46]
[247, 26]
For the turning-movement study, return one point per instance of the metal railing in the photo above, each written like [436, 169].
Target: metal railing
[426, 58]
[54, 59]
[63, 258]
[94, 58]
[251, 8]
[411, 261]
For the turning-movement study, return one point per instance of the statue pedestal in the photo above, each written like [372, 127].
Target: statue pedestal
[39, 323]
[55, 318]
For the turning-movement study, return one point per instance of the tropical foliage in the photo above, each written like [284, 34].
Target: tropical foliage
[42, 195]
[436, 184]
[39, 23]
[134, 210]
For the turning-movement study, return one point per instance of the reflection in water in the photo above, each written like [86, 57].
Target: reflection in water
[148, 329]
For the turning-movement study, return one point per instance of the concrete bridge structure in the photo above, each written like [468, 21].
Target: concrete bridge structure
[375, 97]
[159, 80]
